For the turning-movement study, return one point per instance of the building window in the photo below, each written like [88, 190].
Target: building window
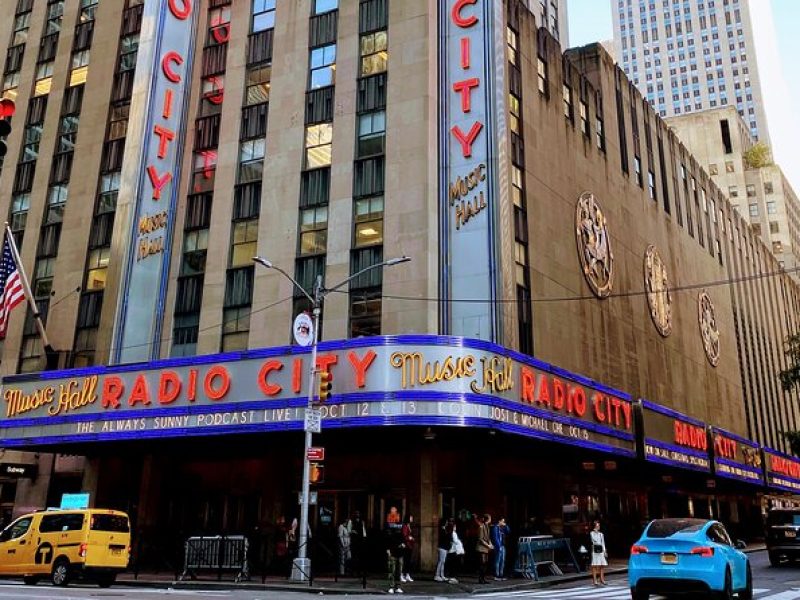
[756, 228]
[43, 277]
[729, 167]
[20, 204]
[513, 110]
[541, 73]
[323, 67]
[712, 169]
[96, 268]
[568, 108]
[55, 13]
[733, 191]
[319, 139]
[263, 15]
[600, 134]
[195, 251]
[30, 354]
[777, 247]
[68, 133]
[323, 6]
[118, 121]
[371, 134]
[313, 230]
[184, 334]
[245, 239]
[56, 201]
[774, 227]
[772, 208]
[30, 150]
[368, 221]
[258, 85]
[109, 188]
[44, 78]
[584, 112]
[235, 328]
[754, 210]
[651, 184]
[365, 312]
[637, 168]
[516, 185]
[251, 160]
[128, 49]
[768, 189]
[374, 55]
[751, 190]
[22, 23]
[88, 8]
[512, 41]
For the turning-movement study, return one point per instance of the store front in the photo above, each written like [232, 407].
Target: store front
[434, 426]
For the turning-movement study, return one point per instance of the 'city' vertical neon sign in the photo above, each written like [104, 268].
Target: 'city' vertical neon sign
[166, 57]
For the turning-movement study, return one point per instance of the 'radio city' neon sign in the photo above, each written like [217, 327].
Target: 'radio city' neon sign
[465, 86]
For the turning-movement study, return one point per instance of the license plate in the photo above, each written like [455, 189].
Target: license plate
[116, 552]
[790, 534]
[669, 559]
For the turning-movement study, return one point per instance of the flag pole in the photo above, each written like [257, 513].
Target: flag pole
[27, 289]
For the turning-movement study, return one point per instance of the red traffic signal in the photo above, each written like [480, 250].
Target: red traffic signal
[7, 108]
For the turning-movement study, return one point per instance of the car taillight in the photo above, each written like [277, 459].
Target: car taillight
[704, 551]
[636, 549]
[82, 551]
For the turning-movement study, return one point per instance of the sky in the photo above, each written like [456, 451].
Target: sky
[775, 23]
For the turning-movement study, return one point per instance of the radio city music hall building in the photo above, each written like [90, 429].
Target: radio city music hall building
[586, 326]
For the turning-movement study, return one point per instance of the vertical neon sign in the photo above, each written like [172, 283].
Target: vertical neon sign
[166, 58]
[468, 168]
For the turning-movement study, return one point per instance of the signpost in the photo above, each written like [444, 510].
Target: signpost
[316, 453]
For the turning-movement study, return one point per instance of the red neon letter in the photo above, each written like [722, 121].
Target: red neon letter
[465, 89]
[169, 387]
[460, 21]
[269, 389]
[326, 361]
[139, 393]
[165, 136]
[112, 390]
[171, 57]
[208, 383]
[599, 406]
[191, 391]
[180, 13]
[297, 375]
[158, 181]
[167, 104]
[360, 366]
[467, 140]
[465, 52]
[528, 383]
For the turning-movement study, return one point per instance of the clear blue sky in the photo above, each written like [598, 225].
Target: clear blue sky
[590, 21]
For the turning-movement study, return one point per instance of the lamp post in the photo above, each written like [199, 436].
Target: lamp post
[301, 566]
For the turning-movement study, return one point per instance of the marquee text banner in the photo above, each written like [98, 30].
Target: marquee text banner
[736, 457]
[407, 380]
[672, 438]
[782, 471]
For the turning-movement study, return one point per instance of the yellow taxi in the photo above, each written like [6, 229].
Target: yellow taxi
[61, 545]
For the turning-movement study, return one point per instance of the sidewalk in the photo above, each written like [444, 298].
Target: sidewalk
[422, 585]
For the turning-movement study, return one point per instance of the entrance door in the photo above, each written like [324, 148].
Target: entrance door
[15, 550]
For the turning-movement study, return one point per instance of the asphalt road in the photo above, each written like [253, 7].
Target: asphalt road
[781, 583]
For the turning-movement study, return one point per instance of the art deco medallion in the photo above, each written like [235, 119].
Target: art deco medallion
[707, 319]
[594, 245]
[656, 285]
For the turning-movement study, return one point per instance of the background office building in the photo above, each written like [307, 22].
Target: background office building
[573, 265]
[692, 55]
[756, 187]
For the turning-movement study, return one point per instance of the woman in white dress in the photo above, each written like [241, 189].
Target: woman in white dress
[599, 555]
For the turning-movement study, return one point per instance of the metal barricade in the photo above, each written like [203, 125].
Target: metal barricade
[216, 553]
[539, 551]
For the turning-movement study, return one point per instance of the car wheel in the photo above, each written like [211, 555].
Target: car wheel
[60, 574]
[727, 591]
[774, 559]
[30, 580]
[639, 595]
[747, 592]
[106, 581]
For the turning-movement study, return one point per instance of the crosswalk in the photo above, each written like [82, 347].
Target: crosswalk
[613, 592]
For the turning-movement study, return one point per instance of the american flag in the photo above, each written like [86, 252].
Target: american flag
[11, 292]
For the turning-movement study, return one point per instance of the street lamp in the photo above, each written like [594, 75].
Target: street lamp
[301, 567]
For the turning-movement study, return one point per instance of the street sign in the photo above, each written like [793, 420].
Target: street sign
[316, 453]
[303, 329]
[313, 422]
[312, 498]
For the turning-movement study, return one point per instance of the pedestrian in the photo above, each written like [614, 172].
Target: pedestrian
[408, 540]
[456, 551]
[358, 541]
[395, 548]
[484, 546]
[599, 555]
[343, 535]
[442, 548]
[282, 545]
[499, 533]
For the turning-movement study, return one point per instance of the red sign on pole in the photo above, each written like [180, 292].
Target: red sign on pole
[316, 453]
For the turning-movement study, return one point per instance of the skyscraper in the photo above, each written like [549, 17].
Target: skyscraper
[691, 55]
[552, 15]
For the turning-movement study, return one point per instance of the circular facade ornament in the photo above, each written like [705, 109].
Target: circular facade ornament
[594, 245]
[656, 285]
[707, 319]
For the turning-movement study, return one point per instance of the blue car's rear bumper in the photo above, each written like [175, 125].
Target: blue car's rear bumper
[694, 574]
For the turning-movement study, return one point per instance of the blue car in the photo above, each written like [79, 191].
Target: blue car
[687, 556]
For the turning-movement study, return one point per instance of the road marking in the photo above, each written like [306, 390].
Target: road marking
[787, 595]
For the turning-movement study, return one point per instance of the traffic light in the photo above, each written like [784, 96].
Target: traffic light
[7, 108]
[324, 385]
[317, 473]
